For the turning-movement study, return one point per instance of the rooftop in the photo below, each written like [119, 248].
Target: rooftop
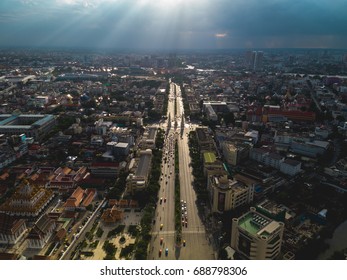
[257, 224]
[144, 165]
[151, 133]
[209, 157]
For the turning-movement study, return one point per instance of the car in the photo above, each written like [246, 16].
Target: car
[161, 226]
[164, 199]
[160, 251]
[161, 240]
[166, 252]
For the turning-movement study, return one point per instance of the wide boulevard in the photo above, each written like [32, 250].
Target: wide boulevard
[195, 243]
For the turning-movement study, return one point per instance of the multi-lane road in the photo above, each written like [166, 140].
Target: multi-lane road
[195, 241]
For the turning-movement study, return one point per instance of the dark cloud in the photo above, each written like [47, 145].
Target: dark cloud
[188, 24]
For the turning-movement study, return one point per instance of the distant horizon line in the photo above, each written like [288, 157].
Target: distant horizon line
[163, 50]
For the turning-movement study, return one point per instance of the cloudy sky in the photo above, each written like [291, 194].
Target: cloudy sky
[174, 24]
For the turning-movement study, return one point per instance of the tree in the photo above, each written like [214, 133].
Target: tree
[229, 118]
[89, 207]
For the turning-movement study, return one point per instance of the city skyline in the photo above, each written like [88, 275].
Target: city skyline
[174, 25]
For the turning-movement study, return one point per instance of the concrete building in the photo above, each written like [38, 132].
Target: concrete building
[230, 153]
[254, 134]
[235, 152]
[226, 194]
[12, 148]
[210, 113]
[309, 148]
[105, 169]
[138, 180]
[148, 139]
[258, 154]
[118, 149]
[257, 237]
[36, 126]
[96, 140]
[273, 210]
[275, 160]
[290, 167]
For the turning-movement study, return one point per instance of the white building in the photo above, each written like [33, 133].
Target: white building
[286, 166]
[274, 160]
[256, 237]
[138, 179]
[290, 167]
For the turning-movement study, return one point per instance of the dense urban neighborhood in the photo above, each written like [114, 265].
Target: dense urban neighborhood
[238, 154]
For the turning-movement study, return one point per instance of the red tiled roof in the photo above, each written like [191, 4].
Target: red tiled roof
[4, 176]
[123, 203]
[89, 198]
[133, 203]
[112, 202]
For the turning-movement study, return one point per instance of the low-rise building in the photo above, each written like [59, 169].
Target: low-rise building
[274, 160]
[41, 232]
[290, 167]
[12, 229]
[258, 154]
[66, 179]
[27, 201]
[105, 169]
[148, 138]
[112, 215]
[287, 166]
[80, 199]
[36, 126]
[310, 148]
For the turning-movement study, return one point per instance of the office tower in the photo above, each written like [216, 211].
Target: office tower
[254, 60]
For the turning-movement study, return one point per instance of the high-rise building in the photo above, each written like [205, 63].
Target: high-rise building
[256, 237]
[254, 60]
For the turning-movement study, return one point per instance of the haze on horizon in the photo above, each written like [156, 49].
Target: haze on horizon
[174, 24]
